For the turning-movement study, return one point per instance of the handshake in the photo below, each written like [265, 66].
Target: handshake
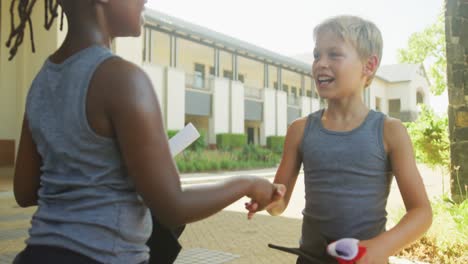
[264, 195]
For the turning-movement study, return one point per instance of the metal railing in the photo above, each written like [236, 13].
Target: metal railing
[197, 82]
[293, 100]
[253, 92]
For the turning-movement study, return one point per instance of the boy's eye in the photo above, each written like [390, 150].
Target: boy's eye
[334, 54]
[316, 56]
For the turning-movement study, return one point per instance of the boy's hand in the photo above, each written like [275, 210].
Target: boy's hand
[265, 200]
[375, 253]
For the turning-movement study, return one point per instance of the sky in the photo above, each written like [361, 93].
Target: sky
[286, 26]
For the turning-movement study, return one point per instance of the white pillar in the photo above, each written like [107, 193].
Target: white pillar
[158, 79]
[306, 105]
[219, 120]
[315, 104]
[282, 113]
[237, 108]
[268, 127]
[130, 49]
[175, 99]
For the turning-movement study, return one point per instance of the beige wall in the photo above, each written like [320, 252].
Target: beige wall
[252, 70]
[378, 89]
[272, 76]
[291, 79]
[310, 85]
[130, 49]
[225, 62]
[189, 53]
[200, 122]
[158, 44]
[16, 76]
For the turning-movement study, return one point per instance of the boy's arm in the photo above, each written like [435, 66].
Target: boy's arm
[135, 115]
[290, 164]
[418, 217]
[26, 180]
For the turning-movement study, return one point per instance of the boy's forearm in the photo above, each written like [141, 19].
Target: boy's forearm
[198, 202]
[410, 228]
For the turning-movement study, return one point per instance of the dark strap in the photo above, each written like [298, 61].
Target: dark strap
[163, 243]
[298, 252]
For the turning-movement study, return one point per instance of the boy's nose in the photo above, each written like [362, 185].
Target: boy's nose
[321, 63]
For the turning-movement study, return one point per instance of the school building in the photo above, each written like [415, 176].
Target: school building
[219, 83]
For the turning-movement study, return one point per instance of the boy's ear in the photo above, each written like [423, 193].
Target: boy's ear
[371, 65]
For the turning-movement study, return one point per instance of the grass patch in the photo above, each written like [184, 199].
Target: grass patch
[447, 239]
[247, 157]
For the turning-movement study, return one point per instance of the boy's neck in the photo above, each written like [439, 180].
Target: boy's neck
[80, 36]
[345, 109]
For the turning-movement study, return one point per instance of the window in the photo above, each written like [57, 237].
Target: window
[250, 135]
[394, 108]
[294, 91]
[309, 93]
[227, 74]
[199, 76]
[241, 78]
[419, 98]
[275, 85]
[378, 104]
[212, 71]
[286, 88]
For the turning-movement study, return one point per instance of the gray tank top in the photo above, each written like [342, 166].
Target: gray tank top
[347, 181]
[87, 202]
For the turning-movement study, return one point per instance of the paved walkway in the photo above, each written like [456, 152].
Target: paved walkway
[226, 237]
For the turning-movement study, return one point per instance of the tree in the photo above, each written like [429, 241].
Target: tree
[428, 48]
[430, 138]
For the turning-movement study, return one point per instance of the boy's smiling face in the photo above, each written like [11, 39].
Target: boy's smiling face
[337, 68]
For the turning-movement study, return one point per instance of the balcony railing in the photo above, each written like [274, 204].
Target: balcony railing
[197, 82]
[253, 92]
[293, 100]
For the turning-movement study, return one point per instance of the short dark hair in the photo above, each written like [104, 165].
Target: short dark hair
[24, 9]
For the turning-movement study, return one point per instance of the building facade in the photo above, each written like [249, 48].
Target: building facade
[218, 83]
[398, 90]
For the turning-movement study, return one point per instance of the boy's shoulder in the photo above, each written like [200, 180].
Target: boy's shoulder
[118, 68]
[395, 132]
[119, 82]
[392, 124]
[120, 75]
[300, 123]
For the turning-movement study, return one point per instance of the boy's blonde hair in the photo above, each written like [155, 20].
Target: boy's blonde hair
[362, 34]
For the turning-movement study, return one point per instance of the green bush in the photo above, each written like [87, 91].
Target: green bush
[249, 157]
[171, 133]
[429, 134]
[230, 141]
[200, 143]
[276, 143]
[251, 153]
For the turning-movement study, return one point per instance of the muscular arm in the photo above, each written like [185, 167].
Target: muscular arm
[137, 122]
[418, 217]
[290, 164]
[26, 180]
